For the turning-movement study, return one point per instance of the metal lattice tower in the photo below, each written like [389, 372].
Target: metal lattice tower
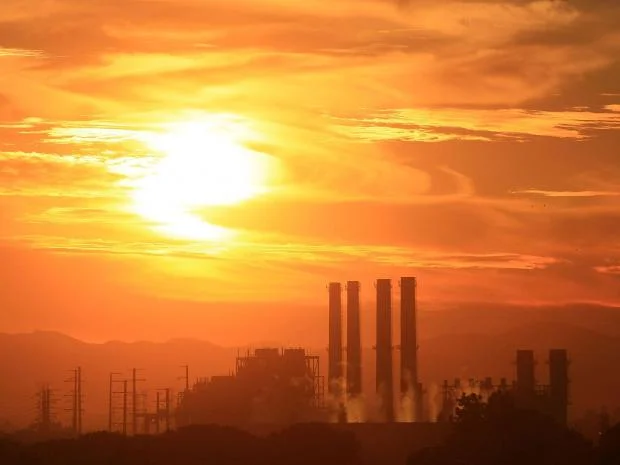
[76, 397]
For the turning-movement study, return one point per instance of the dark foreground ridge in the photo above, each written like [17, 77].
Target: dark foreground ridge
[481, 433]
[303, 444]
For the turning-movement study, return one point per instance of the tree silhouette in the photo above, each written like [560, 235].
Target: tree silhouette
[497, 432]
[609, 447]
[470, 410]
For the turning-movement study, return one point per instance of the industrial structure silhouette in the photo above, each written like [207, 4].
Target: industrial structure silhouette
[551, 399]
[286, 386]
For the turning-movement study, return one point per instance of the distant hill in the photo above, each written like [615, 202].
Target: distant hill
[480, 348]
[43, 357]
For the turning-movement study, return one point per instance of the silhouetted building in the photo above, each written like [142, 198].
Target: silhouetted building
[384, 382]
[354, 343]
[269, 386]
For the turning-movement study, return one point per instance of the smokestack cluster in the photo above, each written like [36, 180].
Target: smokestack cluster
[409, 382]
[527, 386]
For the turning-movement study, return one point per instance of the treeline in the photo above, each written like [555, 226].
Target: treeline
[197, 445]
[496, 432]
[482, 433]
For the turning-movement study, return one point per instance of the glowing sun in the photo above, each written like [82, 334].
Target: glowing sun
[202, 164]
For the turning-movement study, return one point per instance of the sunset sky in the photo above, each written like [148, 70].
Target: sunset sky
[198, 168]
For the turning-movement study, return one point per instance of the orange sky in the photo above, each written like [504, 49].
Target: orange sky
[163, 161]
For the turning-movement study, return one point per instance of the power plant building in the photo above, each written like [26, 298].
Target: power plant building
[269, 386]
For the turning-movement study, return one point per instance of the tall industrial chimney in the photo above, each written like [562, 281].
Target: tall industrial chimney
[385, 387]
[335, 368]
[558, 384]
[354, 343]
[526, 380]
[409, 344]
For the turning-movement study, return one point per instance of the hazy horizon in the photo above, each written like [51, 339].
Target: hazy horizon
[310, 330]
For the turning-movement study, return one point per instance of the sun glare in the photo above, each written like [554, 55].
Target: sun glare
[202, 164]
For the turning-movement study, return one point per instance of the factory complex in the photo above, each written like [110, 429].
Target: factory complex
[286, 386]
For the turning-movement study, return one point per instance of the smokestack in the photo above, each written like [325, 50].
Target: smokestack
[385, 387]
[409, 343]
[558, 384]
[526, 380]
[354, 343]
[335, 372]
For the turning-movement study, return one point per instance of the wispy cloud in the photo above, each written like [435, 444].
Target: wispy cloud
[609, 269]
[334, 254]
[82, 135]
[382, 133]
[40, 157]
[440, 124]
[37, 174]
[546, 193]
[103, 214]
[17, 52]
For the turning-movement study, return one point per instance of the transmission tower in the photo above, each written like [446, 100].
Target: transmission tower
[44, 409]
[134, 400]
[111, 409]
[114, 395]
[186, 377]
[162, 409]
[76, 400]
[125, 407]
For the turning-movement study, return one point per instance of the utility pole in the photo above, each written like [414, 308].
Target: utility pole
[79, 400]
[125, 407]
[186, 377]
[111, 402]
[167, 409]
[46, 409]
[76, 400]
[44, 418]
[183, 394]
[114, 396]
[157, 414]
[134, 401]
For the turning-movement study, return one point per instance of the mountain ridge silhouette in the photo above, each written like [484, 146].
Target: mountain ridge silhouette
[47, 356]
